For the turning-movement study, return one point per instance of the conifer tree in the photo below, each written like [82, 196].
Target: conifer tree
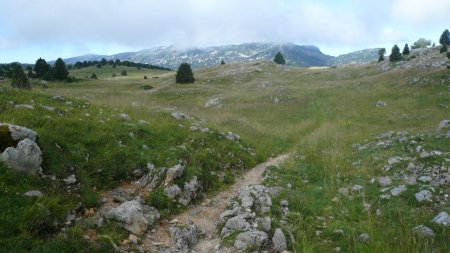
[41, 67]
[395, 54]
[184, 74]
[445, 38]
[279, 59]
[61, 72]
[19, 79]
[381, 53]
[406, 50]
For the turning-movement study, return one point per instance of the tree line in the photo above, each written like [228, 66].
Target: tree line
[114, 63]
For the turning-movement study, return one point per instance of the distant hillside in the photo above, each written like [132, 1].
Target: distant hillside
[171, 57]
[357, 57]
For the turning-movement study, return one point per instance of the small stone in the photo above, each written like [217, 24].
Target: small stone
[70, 179]
[279, 241]
[424, 195]
[442, 219]
[357, 187]
[133, 239]
[24, 106]
[385, 181]
[398, 190]
[425, 179]
[33, 194]
[393, 160]
[364, 237]
[124, 116]
[424, 231]
[344, 191]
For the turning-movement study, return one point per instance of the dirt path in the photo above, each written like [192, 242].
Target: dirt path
[206, 215]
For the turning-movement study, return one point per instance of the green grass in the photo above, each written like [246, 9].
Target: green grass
[321, 114]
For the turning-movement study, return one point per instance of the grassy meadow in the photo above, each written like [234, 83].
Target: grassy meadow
[316, 114]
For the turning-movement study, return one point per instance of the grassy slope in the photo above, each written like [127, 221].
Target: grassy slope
[82, 139]
[321, 114]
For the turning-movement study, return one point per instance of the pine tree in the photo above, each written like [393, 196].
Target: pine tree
[443, 49]
[41, 67]
[381, 53]
[445, 38]
[61, 72]
[123, 73]
[395, 54]
[93, 76]
[184, 74]
[19, 79]
[222, 62]
[406, 50]
[279, 59]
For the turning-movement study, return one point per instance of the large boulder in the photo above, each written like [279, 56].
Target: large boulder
[27, 157]
[17, 133]
[131, 216]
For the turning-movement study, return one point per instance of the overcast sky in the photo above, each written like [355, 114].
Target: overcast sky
[63, 28]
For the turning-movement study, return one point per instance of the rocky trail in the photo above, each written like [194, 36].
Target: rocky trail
[206, 216]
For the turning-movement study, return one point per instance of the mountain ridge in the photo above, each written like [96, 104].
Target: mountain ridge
[295, 55]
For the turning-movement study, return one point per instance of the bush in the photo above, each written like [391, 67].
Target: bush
[114, 75]
[448, 55]
[406, 50]
[123, 73]
[94, 76]
[145, 77]
[71, 79]
[147, 87]
[60, 71]
[184, 74]
[160, 201]
[443, 49]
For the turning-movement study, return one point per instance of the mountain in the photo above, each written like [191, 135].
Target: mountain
[171, 57]
[357, 57]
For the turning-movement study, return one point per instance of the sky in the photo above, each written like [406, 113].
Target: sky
[63, 28]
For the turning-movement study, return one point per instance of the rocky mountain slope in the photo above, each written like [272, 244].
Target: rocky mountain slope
[296, 55]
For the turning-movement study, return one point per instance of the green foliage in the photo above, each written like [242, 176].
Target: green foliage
[279, 59]
[448, 55]
[222, 62]
[395, 54]
[145, 77]
[99, 65]
[445, 38]
[381, 53]
[147, 87]
[160, 201]
[406, 50]
[61, 72]
[421, 43]
[41, 67]
[19, 79]
[71, 79]
[93, 76]
[443, 49]
[123, 73]
[184, 74]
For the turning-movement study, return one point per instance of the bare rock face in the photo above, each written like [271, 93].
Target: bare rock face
[27, 157]
[184, 237]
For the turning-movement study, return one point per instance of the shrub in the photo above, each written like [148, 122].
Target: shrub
[147, 87]
[61, 72]
[406, 50]
[94, 76]
[123, 73]
[184, 74]
[443, 49]
[145, 77]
